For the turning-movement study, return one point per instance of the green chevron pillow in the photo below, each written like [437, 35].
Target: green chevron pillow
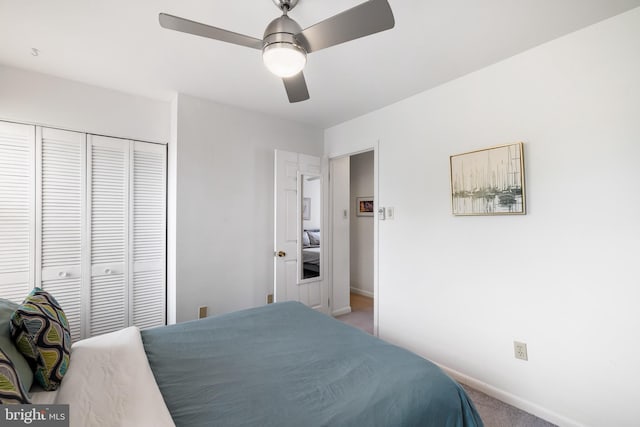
[11, 389]
[7, 345]
[40, 330]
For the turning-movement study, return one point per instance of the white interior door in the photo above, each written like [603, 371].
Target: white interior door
[17, 144]
[108, 186]
[288, 219]
[60, 207]
[147, 294]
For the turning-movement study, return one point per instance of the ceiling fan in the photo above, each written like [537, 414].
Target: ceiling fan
[285, 44]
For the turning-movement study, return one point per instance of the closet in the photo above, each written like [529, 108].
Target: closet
[84, 217]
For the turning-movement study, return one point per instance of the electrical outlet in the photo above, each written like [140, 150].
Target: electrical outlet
[270, 299]
[520, 350]
[202, 312]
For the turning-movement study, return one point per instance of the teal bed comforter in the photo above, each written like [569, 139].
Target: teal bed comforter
[286, 365]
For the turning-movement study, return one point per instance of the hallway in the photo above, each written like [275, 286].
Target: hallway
[361, 315]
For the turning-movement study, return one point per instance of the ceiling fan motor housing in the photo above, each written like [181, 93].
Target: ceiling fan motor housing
[283, 30]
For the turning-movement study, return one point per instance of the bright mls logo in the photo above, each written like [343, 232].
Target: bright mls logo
[35, 415]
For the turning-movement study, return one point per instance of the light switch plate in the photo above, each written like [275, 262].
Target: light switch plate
[390, 213]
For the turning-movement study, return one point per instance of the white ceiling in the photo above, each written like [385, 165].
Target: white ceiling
[119, 44]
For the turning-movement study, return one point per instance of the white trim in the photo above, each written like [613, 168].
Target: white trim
[38, 208]
[361, 292]
[32, 214]
[376, 240]
[129, 267]
[85, 252]
[511, 399]
[172, 209]
[345, 310]
[300, 227]
[85, 289]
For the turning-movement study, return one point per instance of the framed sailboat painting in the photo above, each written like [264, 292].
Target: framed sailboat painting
[489, 181]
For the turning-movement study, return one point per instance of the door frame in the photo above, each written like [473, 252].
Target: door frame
[370, 146]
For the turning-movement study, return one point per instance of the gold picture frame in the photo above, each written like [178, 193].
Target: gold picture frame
[489, 181]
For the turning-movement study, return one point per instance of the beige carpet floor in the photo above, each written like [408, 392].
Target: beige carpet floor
[493, 412]
[361, 315]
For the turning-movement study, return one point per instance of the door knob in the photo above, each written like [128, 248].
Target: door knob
[63, 274]
[281, 254]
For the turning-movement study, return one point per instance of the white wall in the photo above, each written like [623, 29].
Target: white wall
[361, 229]
[30, 97]
[563, 279]
[340, 225]
[224, 217]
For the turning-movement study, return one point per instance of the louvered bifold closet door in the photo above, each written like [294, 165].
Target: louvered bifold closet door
[17, 170]
[108, 187]
[148, 243]
[60, 207]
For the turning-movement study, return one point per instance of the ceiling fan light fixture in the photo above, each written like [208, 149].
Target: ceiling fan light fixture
[284, 59]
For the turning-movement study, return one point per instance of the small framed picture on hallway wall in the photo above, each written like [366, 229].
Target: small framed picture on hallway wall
[364, 206]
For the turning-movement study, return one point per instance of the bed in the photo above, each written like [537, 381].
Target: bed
[310, 253]
[278, 365]
[311, 262]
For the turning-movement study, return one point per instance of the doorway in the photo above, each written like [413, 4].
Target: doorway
[354, 220]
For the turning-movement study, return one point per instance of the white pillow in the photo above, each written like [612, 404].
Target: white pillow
[110, 383]
[314, 238]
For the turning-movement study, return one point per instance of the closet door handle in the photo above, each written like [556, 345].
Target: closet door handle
[63, 274]
[107, 271]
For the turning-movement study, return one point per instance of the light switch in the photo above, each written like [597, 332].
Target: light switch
[390, 213]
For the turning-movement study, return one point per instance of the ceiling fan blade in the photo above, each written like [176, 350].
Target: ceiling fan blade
[191, 27]
[367, 18]
[296, 88]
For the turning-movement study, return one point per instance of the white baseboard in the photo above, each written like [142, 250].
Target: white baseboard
[512, 399]
[361, 292]
[341, 311]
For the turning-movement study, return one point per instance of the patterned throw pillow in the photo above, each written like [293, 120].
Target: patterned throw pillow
[40, 330]
[11, 390]
[8, 346]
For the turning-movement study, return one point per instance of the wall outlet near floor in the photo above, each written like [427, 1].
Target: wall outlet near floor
[520, 350]
[202, 312]
[270, 299]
